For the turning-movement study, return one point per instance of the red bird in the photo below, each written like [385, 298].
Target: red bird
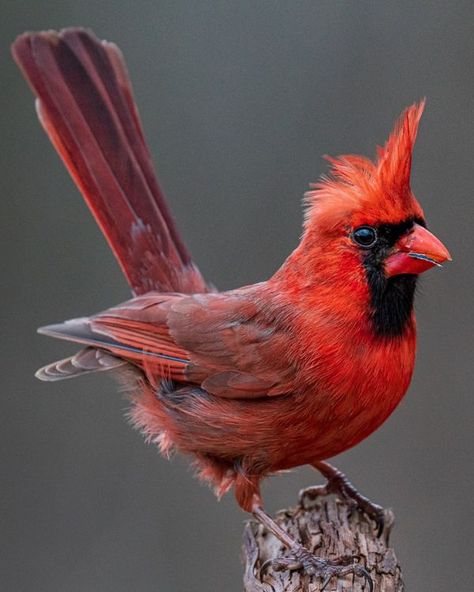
[286, 372]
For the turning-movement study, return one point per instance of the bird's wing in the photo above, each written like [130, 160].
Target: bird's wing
[86, 106]
[219, 341]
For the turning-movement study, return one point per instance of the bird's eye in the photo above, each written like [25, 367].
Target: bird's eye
[365, 236]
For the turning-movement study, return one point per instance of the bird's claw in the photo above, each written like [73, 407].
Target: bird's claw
[339, 485]
[302, 559]
[375, 512]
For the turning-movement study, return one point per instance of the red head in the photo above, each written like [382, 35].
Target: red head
[364, 225]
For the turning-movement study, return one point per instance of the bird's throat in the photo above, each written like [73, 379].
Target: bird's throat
[391, 302]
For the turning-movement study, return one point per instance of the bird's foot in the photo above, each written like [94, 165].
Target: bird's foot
[302, 559]
[340, 485]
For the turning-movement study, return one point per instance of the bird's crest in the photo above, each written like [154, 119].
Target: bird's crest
[394, 159]
[364, 188]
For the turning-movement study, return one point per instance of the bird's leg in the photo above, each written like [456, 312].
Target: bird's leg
[339, 484]
[302, 559]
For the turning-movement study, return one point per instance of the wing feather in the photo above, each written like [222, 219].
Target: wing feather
[223, 342]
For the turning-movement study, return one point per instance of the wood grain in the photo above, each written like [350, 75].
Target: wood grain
[331, 529]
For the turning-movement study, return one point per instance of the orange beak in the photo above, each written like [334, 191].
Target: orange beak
[416, 252]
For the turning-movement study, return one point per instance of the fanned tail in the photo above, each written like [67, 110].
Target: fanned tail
[85, 104]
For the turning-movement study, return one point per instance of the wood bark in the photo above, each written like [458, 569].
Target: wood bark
[331, 529]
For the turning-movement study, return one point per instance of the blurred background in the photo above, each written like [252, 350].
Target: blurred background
[239, 101]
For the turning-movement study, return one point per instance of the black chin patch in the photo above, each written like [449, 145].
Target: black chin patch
[391, 302]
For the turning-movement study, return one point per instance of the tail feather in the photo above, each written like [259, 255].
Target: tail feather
[86, 106]
[83, 362]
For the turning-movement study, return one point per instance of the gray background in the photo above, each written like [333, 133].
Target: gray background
[239, 102]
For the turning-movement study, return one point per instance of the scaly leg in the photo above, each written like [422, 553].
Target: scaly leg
[339, 484]
[303, 559]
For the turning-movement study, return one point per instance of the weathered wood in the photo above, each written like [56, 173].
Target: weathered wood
[331, 529]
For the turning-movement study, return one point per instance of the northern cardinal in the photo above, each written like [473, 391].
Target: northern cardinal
[286, 372]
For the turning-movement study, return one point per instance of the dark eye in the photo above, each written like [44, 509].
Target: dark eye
[365, 236]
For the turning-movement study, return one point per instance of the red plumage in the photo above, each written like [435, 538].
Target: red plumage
[266, 377]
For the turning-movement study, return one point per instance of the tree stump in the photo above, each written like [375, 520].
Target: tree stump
[331, 529]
